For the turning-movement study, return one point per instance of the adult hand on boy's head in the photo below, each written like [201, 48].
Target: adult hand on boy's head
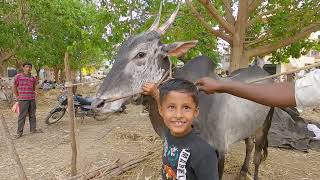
[150, 89]
[208, 85]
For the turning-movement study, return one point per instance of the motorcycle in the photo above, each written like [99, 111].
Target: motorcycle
[82, 108]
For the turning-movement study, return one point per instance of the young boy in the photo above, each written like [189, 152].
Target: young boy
[185, 155]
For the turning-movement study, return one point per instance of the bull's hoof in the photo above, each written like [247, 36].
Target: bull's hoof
[242, 175]
[245, 176]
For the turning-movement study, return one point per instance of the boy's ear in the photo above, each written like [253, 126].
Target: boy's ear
[178, 49]
[160, 111]
[197, 112]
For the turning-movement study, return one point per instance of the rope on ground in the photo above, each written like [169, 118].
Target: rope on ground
[286, 73]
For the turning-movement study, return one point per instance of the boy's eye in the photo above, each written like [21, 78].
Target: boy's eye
[171, 107]
[187, 107]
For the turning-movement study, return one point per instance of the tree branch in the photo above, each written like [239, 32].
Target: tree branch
[216, 33]
[241, 23]
[6, 56]
[253, 5]
[261, 16]
[258, 40]
[266, 49]
[215, 14]
[228, 11]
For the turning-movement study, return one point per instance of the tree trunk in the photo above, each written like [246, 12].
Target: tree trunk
[18, 66]
[38, 72]
[4, 58]
[238, 58]
[56, 75]
[62, 76]
[3, 70]
[80, 74]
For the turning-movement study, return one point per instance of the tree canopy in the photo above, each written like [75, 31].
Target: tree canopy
[41, 31]
[260, 27]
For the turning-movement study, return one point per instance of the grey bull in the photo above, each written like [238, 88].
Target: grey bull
[224, 119]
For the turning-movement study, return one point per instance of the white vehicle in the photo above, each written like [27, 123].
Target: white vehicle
[99, 75]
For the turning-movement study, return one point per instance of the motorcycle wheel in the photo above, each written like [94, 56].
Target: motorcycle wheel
[101, 117]
[55, 117]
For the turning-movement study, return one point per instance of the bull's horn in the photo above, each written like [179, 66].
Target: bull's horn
[166, 25]
[155, 24]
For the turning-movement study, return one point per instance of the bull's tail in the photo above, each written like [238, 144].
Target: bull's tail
[266, 127]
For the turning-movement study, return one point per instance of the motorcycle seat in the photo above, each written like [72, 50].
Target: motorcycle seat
[89, 99]
[86, 107]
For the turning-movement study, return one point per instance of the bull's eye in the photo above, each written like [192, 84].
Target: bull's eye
[140, 55]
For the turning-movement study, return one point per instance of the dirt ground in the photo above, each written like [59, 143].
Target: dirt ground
[47, 155]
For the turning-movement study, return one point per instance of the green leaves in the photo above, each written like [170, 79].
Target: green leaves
[295, 50]
[280, 20]
[50, 28]
[89, 31]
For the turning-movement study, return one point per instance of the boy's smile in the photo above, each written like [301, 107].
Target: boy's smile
[178, 110]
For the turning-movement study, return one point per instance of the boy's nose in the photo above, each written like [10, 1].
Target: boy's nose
[179, 114]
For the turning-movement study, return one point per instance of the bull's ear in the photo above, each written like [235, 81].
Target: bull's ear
[178, 49]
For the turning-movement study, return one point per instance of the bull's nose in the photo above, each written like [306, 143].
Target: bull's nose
[97, 104]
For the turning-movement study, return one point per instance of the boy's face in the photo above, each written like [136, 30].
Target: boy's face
[178, 110]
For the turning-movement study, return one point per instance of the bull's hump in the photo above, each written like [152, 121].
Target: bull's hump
[196, 68]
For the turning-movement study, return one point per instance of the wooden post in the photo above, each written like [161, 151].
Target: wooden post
[71, 115]
[12, 150]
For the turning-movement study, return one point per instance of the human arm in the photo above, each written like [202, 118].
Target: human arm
[15, 88]
[276, 95]
[35, 87]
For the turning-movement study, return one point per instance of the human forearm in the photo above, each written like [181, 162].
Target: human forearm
[276, 95]
[15, 91]
[157, 97]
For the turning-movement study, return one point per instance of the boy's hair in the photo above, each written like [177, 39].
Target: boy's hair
[26, 63]
[178, 85]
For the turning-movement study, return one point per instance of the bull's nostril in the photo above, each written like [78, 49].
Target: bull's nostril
[101, 104]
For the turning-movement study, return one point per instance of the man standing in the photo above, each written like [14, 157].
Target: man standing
[24, 89]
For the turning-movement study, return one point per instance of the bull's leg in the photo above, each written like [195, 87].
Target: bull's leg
[221, 164]
[245, 166]
[262, 142]
[257, 153]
